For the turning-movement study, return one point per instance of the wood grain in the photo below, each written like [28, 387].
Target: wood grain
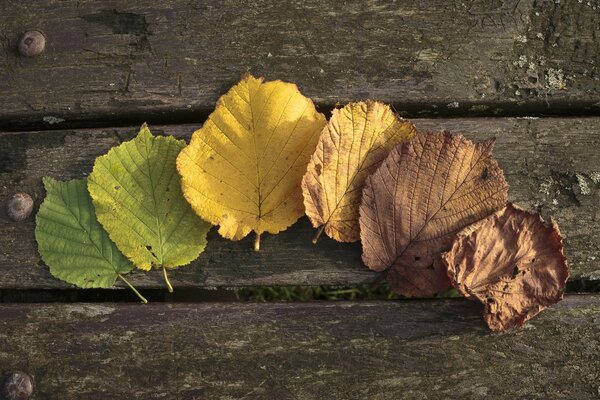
[128, 61]
[377, 350]
[551, 166]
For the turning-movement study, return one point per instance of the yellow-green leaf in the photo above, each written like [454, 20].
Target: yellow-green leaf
[137, 194]
[357, 138]
[243, 168]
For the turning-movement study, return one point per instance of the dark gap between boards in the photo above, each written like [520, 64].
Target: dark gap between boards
[28, 122]
[254, 294]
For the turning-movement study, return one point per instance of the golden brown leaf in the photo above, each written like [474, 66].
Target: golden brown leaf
[512, 262]
[424, 192]
[352, 145]
[242, 170]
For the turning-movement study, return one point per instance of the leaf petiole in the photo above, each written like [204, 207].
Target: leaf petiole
[167, 279]
[257, 242]
[142, 298]
[318, 235]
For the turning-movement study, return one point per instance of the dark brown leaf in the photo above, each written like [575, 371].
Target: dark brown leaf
[424, 192]
[512, 262]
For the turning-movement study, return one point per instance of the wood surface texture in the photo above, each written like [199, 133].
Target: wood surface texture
[110, 65]
[551, 164]
[128, 61]
[363, 350]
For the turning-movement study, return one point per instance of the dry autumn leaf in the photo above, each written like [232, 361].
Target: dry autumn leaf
[424, 192]
[242, 170]
[351, 146]
[512, 262]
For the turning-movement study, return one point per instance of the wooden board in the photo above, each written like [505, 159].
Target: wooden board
[362, 350]
[127, 61]
[551, 164]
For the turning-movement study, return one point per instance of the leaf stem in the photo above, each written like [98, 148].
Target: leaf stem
[318, 235]
[167, 279]
[257, 242]
[142, 298]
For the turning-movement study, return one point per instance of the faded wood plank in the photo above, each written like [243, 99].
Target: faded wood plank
[376, 350]
[551, 165]
[134, 60]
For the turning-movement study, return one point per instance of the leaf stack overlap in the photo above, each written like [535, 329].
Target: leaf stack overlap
[424, 192]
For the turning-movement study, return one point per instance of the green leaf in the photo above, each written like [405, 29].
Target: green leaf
[72, 242]
[137, 194]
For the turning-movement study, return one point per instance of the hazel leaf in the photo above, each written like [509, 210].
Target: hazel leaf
[243, 169]
[72, 242]
[424, 192]
[136, 191]
[513, 262]
[352, 145]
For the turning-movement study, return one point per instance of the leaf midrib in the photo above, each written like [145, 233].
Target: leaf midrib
[413, 239]
[359, 168]
[152, 191]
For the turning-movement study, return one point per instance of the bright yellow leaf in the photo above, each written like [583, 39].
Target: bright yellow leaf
[242, 170]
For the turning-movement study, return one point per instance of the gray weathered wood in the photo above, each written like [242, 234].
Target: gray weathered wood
[142, 59]
[362, 350]
[551, 164]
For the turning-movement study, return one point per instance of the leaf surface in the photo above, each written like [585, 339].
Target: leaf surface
[136, 191]
[243, 169]
[72, 242]
[424, 192]
[352, 145]
[512, 262]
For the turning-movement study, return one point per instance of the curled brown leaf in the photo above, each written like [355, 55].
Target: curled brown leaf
[512, 262]
[423, 193]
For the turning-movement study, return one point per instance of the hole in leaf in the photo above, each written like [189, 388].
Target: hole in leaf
[149, 248]
[485, 174]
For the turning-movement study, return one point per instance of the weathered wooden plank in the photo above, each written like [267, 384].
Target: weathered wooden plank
[131, 60]
[551, 165]
[382, 350]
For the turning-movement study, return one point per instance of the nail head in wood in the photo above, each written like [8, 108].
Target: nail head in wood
[32, 43]
[19, 206]
[18, 386]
